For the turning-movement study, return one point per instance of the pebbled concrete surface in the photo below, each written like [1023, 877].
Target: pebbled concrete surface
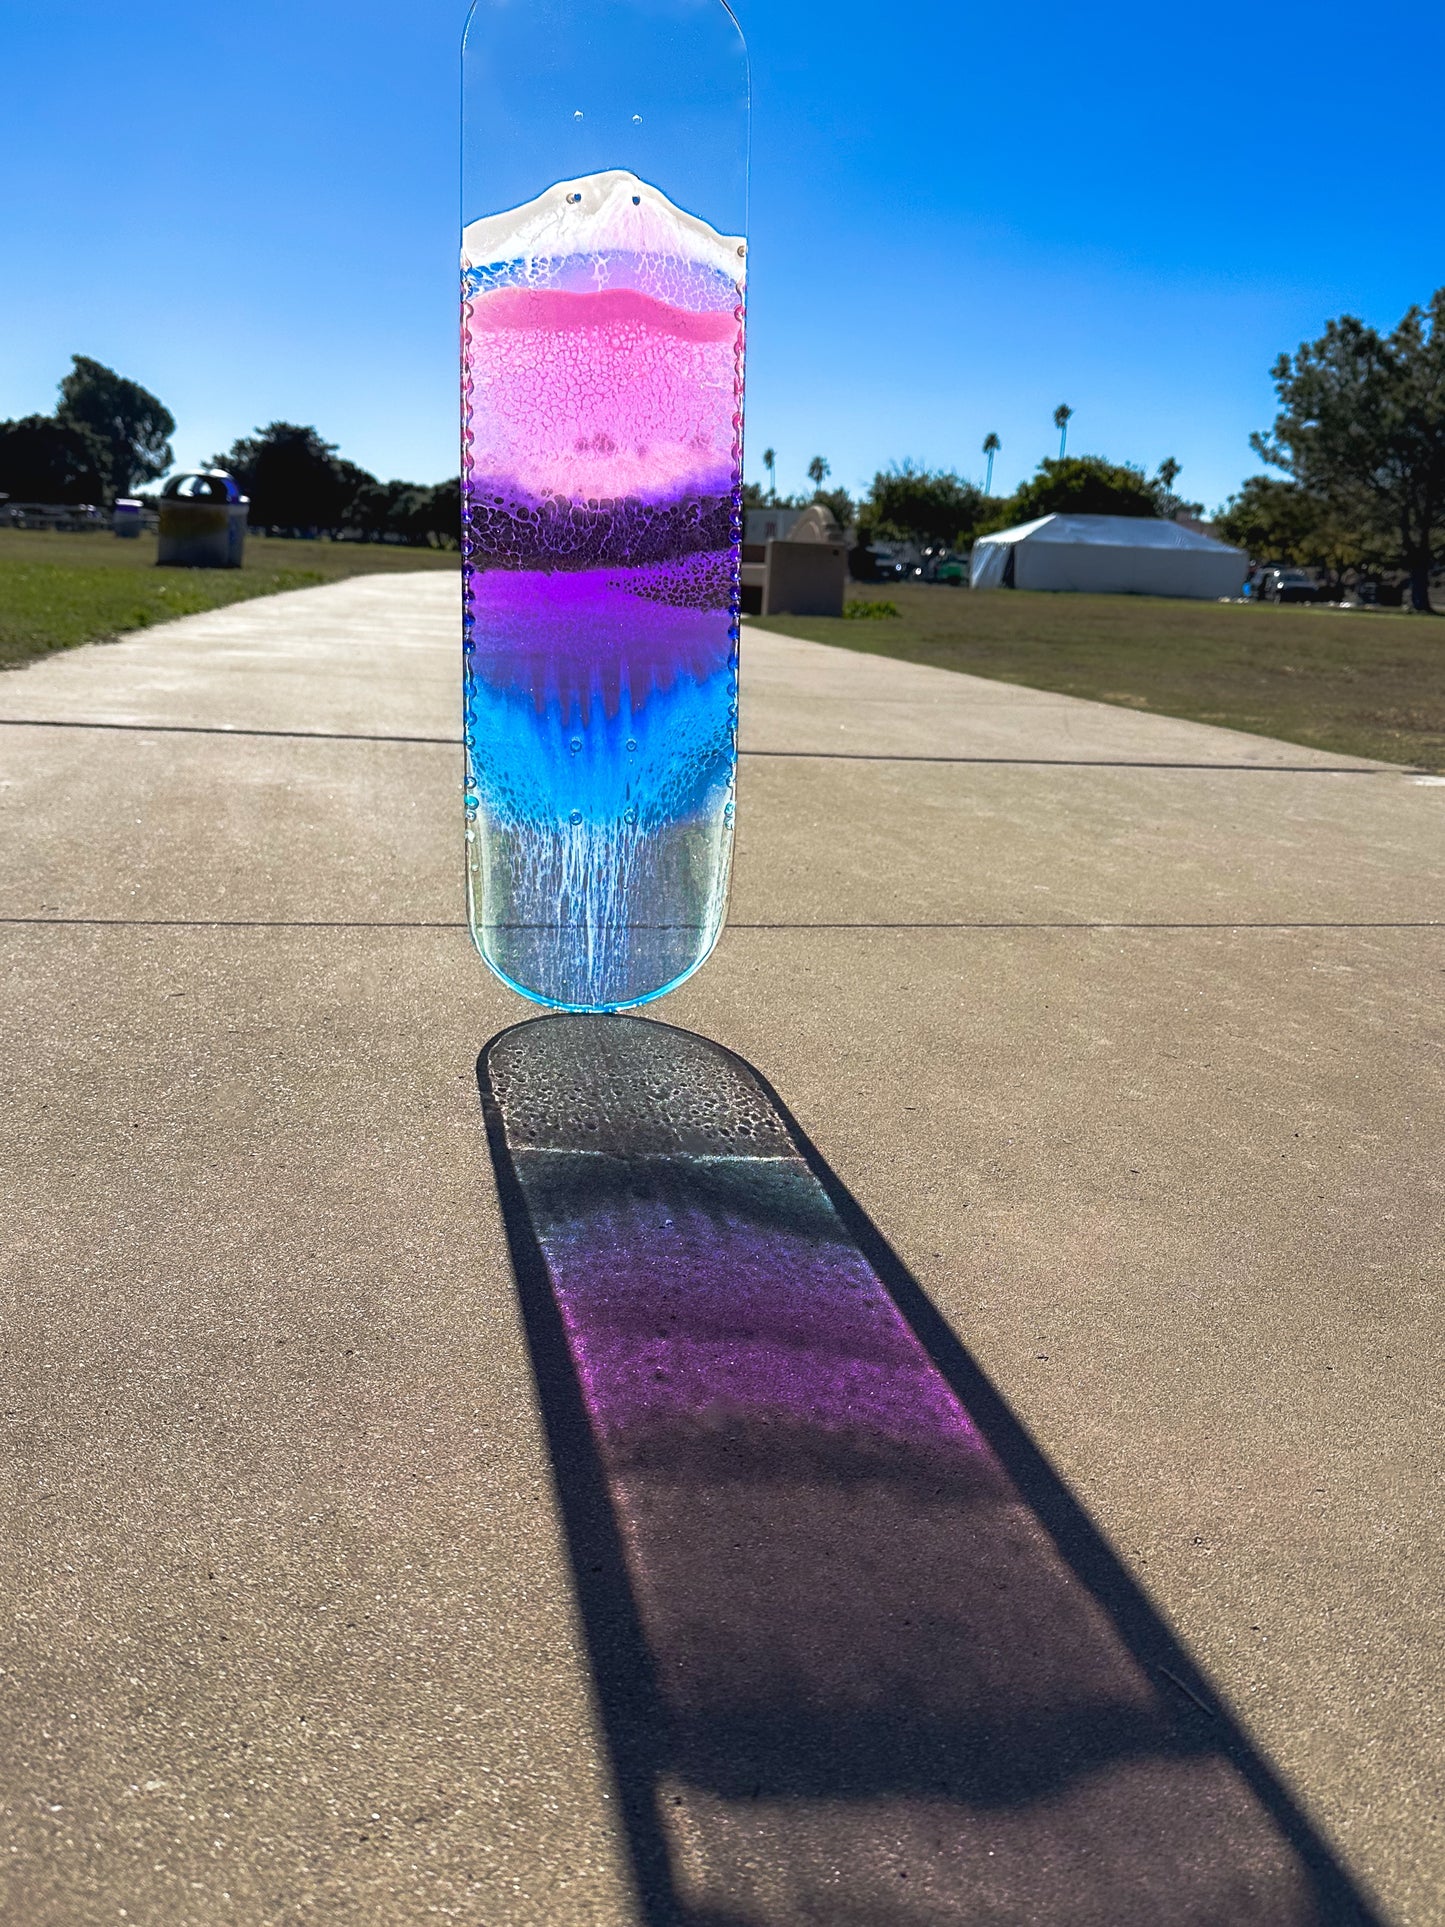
[292, 1633]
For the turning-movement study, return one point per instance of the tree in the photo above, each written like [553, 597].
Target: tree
[770, 463]
[1361, 427]
[991, 446]
[1079, 485]
[922, 505]
[1062, 415]
[293, 478]
[44, 459]
[818, 471]
[838, 502]
[405, 511]
[130, 423]
[1276, 521]
[1166, 502]
[364, 501]
[434, 518]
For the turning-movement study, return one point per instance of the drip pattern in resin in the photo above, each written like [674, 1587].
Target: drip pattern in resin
[603, 367]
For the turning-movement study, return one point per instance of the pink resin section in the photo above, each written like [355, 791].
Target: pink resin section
[601, 396]
[553, 309]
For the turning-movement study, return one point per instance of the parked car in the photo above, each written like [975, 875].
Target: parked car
[1288, 585]
[934, 564]
[1374, 594]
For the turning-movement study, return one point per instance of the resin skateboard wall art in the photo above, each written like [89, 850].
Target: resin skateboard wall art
[603, 288]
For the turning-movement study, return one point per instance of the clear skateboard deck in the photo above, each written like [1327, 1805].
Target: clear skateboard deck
[603, 287]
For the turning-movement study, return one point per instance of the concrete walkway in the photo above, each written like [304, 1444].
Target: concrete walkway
[1125, 1031]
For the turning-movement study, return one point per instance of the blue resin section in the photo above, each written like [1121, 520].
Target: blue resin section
[600, 729]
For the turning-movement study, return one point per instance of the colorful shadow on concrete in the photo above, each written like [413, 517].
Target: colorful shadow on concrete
[848, 1672]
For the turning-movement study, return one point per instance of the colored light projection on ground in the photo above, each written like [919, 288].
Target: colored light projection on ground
[603, 369]
[868, 1687]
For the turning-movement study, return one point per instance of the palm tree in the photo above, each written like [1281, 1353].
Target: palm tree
[1061, 422]
[991, 446]
[818, 471]
[770, 463]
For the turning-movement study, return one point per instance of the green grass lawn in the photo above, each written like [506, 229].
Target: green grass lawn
[60, 590]
[1364, 684]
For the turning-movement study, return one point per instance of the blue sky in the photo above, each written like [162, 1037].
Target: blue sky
[960, 218]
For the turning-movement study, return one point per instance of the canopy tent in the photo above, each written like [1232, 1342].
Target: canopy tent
[1108, 555]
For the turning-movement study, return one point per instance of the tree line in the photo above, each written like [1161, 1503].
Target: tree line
[941, 509]
[109, 437]
[301, 485]
[1358, 445]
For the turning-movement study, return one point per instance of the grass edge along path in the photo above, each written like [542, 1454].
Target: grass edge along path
[1360, 684]
[63, 591]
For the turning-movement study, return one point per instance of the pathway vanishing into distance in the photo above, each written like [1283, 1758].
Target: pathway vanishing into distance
[1123, 1031]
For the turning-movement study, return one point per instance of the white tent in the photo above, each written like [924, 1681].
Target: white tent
[1108, 555]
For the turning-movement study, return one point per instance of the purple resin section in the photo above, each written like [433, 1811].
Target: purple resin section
[678, 1316]
[572, 640]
